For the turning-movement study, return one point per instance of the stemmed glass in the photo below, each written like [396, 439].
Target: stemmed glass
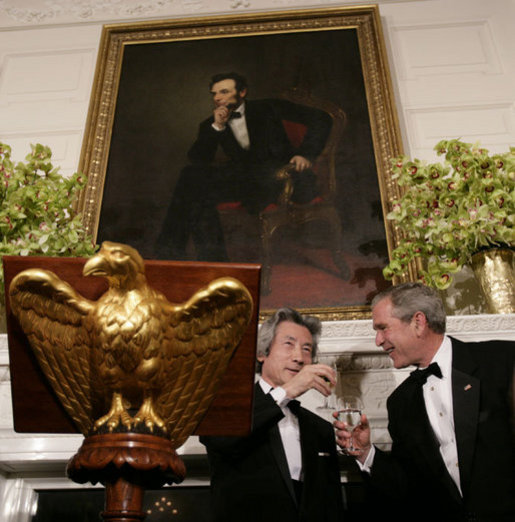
[349, 411]
[329, 404]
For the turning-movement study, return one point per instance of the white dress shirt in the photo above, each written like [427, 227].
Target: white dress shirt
[438, 400]
[288, 429]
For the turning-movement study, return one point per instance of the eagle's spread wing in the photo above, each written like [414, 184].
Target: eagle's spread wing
[200, 340]
[52, 316]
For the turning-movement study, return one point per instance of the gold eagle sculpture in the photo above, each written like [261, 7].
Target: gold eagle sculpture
[145, 361]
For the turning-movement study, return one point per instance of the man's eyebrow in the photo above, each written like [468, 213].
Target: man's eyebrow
[376, 326]
[288, 337]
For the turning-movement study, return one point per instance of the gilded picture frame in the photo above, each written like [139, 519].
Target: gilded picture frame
[151, 91]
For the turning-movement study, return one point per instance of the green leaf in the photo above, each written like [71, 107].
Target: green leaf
[457, 206]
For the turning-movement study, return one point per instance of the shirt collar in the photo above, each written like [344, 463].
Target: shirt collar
[264, 385]
[443, 357]
[241, 108]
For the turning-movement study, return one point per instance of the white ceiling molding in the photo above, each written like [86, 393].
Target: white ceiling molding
[20, 13]
[36, 12]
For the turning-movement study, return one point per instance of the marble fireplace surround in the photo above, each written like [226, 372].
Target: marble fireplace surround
[30, 462]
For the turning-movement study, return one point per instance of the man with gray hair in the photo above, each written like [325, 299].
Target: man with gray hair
[451, 420]
[287, 468]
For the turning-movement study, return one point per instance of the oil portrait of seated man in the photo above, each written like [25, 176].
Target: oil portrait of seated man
[199, 130]
[252, 136]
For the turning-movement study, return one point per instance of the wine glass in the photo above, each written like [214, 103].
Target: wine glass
[349, 411]
[329, 404]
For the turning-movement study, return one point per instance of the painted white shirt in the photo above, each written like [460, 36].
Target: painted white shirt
[239, 128]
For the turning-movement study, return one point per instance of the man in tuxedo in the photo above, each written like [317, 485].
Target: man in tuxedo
[451, 420]
[235, 157]
[287, 468]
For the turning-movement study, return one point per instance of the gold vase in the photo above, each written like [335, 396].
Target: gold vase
[494, 271]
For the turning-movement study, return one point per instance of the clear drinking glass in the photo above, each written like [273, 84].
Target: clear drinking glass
[349, 411]
[329, 403]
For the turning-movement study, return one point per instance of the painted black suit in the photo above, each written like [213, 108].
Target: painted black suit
[250, 479]
[414, 476]
[239, 175]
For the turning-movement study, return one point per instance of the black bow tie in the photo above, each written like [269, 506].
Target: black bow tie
[235, 114]
[421, 376]
[294, 406]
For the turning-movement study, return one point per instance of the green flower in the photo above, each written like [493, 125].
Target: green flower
[449, 211]
[37, 212]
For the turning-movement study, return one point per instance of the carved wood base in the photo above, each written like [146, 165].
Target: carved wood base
[126, 464]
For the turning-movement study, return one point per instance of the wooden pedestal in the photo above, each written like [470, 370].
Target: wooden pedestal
[126, 464]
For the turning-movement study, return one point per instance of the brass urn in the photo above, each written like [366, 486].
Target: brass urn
[494, 270]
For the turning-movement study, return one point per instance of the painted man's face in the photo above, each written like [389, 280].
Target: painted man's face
[225, 94]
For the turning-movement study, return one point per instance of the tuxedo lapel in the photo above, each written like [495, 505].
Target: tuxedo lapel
[276, 445]
[309, 446]
[260, 127]
[466, 397]
[269, 143]
[419, 429]
[254, 119]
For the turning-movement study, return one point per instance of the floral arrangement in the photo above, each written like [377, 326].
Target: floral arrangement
[36, 209]
[450, 211]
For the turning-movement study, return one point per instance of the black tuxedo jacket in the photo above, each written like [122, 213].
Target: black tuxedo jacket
[414, 475]
[250, 480]
[269, 144]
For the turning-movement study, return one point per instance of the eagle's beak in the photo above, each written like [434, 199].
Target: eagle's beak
[95, 266]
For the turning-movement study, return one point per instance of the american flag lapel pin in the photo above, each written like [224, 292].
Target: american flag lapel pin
[467, 388]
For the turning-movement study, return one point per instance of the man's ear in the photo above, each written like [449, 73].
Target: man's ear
[261, 358]
[243, 93]
[420, 321]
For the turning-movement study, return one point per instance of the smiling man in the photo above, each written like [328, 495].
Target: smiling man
[451, 420]
[286, 469]
[235, 157]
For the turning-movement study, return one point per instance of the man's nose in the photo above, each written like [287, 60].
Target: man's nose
[297, 353]
[379, 339]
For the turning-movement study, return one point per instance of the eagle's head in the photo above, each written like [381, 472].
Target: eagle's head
[120, 264]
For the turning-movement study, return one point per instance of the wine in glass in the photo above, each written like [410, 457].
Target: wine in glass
[349, 411]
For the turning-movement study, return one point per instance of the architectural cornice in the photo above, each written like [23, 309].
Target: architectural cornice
[30, 13]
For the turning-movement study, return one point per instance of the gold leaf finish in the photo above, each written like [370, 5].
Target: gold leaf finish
[495, 272]
[145, 362]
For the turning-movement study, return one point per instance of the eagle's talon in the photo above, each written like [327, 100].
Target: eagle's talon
[117, 415]
[148, 416]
